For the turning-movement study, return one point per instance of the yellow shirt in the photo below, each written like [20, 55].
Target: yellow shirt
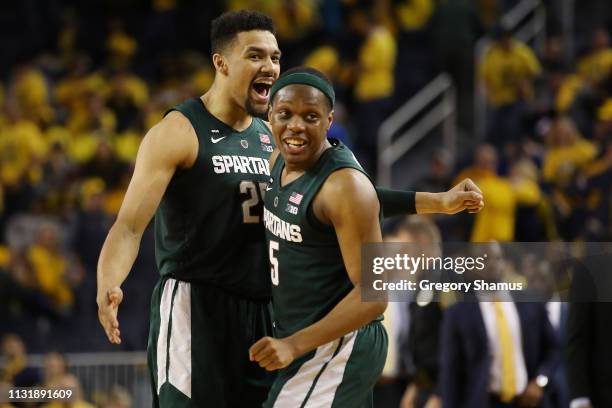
[596, 66]
[304, 20]
[325, 59]
[82, 120]
[33, 95]
[126, 145]
[505, 72]
[567, 92]
[20, 143]
[70, 91]
[496, 220]
[604, 112]
[121, 44]
[527, 192]
[82, 146]
[414, 14]
[376, 66]
[137, 89]
[560, 163]
[58, 134]
[49, 269]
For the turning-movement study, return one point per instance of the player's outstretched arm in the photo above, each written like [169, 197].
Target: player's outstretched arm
[464, 196]
[347, 201]
[170, 144]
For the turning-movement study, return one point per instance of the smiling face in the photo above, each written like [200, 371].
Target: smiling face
[252, 64]
[300, 117]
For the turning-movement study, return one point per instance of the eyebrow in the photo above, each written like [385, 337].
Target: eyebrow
[261, 50]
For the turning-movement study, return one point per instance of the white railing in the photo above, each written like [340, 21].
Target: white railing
[98, 373]
[391, 149]
[527, 20]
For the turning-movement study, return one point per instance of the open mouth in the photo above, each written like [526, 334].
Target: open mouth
[261, 91]
[294, 145]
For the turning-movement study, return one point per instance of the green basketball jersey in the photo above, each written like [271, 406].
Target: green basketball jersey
[208, 226]
[308, 273]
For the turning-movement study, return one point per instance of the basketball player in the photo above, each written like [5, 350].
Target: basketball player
[320, 207]
[202, 171]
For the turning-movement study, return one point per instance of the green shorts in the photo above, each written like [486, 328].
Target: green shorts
[340, 374]
[198, 347]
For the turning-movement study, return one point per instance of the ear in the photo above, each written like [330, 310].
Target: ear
[220, 63]
[330, 119]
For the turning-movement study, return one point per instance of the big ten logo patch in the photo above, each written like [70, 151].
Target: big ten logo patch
[292, 209]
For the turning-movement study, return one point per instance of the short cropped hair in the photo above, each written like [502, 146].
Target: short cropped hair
[228, 25]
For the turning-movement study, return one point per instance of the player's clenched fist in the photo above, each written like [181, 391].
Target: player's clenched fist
[464, 196]
[108, 306]
[272, 354]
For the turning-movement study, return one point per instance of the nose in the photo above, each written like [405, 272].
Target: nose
[296, 125]
[268, 66]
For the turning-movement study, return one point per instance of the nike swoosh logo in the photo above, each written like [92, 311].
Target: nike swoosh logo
[268, 188]
[212, 139]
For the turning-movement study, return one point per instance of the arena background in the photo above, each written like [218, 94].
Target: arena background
[424, 98]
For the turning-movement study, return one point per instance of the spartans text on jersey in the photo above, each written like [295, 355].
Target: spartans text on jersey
[282, 229]
[240, 164]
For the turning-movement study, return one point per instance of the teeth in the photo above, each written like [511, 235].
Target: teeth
[294, 142]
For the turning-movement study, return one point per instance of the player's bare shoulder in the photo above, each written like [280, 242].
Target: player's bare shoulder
[346, 191]
[173, 140]
[349, 183]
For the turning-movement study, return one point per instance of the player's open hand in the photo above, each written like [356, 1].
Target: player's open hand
[272, 354]
[108, 307]
[464, 196]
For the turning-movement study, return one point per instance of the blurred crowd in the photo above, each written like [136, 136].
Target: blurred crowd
[545, 165]
[81, 89]
[83, 81]
[53, 374]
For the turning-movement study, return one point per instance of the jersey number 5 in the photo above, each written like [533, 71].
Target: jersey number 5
[274, 263]
[255, 193]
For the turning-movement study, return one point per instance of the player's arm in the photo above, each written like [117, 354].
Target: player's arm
[170, 144]
[464, 196]
[347, 201]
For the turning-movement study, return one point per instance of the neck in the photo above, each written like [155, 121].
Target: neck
[221, 106]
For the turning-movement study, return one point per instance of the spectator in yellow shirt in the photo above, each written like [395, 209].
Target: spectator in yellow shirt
[22, 147]
[567, 156]
[597, 65]
[496, 222]
[567, 152]
[32, 94]
[53, 270]
[374, 84]
[507, 71]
